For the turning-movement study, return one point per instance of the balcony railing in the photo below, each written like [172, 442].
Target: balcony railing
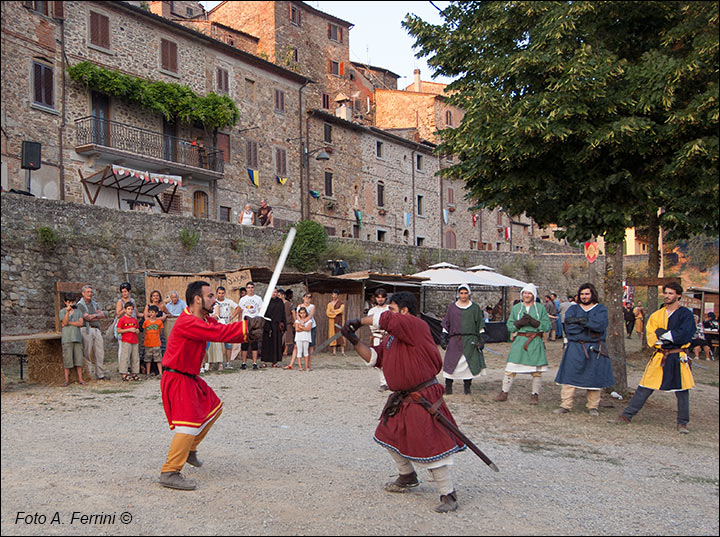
[107, 133]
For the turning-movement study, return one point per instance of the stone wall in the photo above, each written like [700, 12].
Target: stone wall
[105, 247]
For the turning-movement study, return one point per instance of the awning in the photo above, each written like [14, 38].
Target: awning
[136, 182]
[450, 276]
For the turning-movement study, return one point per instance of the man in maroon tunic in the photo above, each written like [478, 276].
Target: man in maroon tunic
[191, 406]
[410, 361]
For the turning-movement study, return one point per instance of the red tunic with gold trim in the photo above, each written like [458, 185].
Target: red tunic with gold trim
[188, 401]
[409, 357]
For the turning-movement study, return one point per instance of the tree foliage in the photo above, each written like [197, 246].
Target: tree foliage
[173, 101]
[589, 115]
[309, 246]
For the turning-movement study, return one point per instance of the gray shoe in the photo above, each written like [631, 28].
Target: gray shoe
[175, 480]
[594, 412]
[682, 429]
[229, 366]
[402, 483]
[561, 410]
[448, 502]
[192, 460]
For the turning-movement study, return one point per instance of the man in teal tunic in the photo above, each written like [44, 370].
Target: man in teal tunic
[528, 320]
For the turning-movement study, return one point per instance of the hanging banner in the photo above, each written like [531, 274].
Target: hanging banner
[315, 194]
[446, 216]
[254, 176]
[591, 251]
[475, 217]
[281, 180]
[358, 217]
[508, 233]
[408, 218]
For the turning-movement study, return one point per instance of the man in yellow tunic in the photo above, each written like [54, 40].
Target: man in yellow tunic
[335, 312]
[669, 331]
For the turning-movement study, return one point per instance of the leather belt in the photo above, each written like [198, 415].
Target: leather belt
[530, 336]
[666, 352]
[181, 372]
[392, 406]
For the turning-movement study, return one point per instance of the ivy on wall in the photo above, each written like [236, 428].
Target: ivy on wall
[174, 102]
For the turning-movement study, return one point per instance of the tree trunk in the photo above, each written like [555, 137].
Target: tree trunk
[653, 267]
[616, 326]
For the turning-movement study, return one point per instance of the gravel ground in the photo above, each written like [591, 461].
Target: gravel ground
[293, 454]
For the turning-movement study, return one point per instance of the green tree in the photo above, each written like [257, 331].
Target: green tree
[588, 115]
[309, 246]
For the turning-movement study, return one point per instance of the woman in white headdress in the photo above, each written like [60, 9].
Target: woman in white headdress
[528, 320]
[464, 338]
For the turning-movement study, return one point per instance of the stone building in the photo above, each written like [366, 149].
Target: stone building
[84, 132]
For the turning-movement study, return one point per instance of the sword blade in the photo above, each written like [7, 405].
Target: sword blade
[278, 270]
[325, 344]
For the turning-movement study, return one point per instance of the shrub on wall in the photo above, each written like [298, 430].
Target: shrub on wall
[48, 238]
[309, 247]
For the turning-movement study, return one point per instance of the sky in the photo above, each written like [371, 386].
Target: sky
[377, 37]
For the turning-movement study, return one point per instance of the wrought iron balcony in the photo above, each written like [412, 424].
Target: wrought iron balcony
[94, 134]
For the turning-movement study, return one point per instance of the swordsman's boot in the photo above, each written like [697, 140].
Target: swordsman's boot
[448, 386]
[175, 480]
[448, 502]
[466, 386]
[192, 460]
[402, 483]
[502, 396]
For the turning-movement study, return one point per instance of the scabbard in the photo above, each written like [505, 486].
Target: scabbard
[449, 426]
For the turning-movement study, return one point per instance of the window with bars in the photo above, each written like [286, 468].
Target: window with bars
[99, 30]
[251, 154]
[223, 80]
[327, 134]
[448, 118]
[168, 55]
[381, 194]
[326, 101]
[328, 183]
[280, 161]
[43, 85]
[279, 100]
[200, 204]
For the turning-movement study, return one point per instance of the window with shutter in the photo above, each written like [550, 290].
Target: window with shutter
[448, 118]
[99, 30]
[326, 101]
[225, 213]
[251, 156]
[223, 141]
[168, 52]
[59, 10]
[40, 7]
[328, 183]
[200, 204]
[328, 133]
[43, 85]
[451, 196]
[223, 80]
[280, 162]
[279, 100]
[381, 194]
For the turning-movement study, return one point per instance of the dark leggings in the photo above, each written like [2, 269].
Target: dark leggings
[641, 396]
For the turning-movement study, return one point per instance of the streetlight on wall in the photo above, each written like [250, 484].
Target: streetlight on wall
[305, 154]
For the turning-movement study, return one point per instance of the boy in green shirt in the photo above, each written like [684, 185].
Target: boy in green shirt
[71, 320]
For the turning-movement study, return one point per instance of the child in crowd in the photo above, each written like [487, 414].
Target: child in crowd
[71, 320]
[303, 326]
[129, 355]
[153, 328]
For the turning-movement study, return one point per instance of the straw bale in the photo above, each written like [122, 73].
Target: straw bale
[45, 363]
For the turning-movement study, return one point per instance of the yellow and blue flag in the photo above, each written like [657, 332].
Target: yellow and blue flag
[254, 176]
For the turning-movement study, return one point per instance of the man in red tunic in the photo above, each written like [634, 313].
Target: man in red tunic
[411, 362]
[191, 406]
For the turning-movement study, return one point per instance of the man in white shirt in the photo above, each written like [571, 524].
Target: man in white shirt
[381, 305]
[225, 311]
[249, 307]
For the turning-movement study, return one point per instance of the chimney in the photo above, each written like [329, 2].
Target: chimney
[417, 80]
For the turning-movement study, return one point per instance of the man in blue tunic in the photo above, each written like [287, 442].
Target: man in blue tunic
[585, 363]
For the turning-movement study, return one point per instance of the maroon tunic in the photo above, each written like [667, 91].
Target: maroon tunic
[409, 357]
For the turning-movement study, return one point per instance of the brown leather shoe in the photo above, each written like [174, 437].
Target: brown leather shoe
[448, 502]
[192, 460]
[622, 420]
[402, 483]
[175, 480]
[682, 429]
[502, 396]
[534, 398]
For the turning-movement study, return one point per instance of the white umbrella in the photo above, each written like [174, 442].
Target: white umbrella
[480, 267]
[444, 265]
[455, 276]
